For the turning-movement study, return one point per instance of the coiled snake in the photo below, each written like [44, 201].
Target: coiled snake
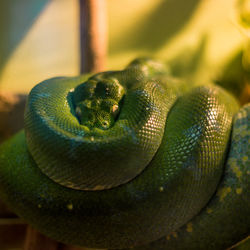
[131, 158]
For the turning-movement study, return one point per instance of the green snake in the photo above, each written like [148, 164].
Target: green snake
[131, 159]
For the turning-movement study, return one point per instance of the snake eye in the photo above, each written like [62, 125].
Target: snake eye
[105, 124]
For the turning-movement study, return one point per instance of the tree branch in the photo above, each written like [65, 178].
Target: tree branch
[93, 35]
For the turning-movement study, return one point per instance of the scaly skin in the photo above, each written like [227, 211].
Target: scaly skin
[225, 219]
[124, 158]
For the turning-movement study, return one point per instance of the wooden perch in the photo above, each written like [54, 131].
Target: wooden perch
[93, 35]
[36, 241]
[11, 114]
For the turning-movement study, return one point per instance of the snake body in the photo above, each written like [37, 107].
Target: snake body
[131, 158]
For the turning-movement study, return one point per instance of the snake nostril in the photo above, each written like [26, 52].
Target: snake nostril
[95, 103]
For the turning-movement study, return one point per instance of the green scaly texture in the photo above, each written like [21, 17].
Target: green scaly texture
[131, 158]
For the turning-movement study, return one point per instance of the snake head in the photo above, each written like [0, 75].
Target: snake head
[97, 101]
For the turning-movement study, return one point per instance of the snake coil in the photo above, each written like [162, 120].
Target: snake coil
[131, 158]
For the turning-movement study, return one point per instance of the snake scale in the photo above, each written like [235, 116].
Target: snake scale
[131, 159]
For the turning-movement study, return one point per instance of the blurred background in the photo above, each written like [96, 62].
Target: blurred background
[40, 38]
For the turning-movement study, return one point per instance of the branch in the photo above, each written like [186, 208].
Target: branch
[36, 241]
[93, 35]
